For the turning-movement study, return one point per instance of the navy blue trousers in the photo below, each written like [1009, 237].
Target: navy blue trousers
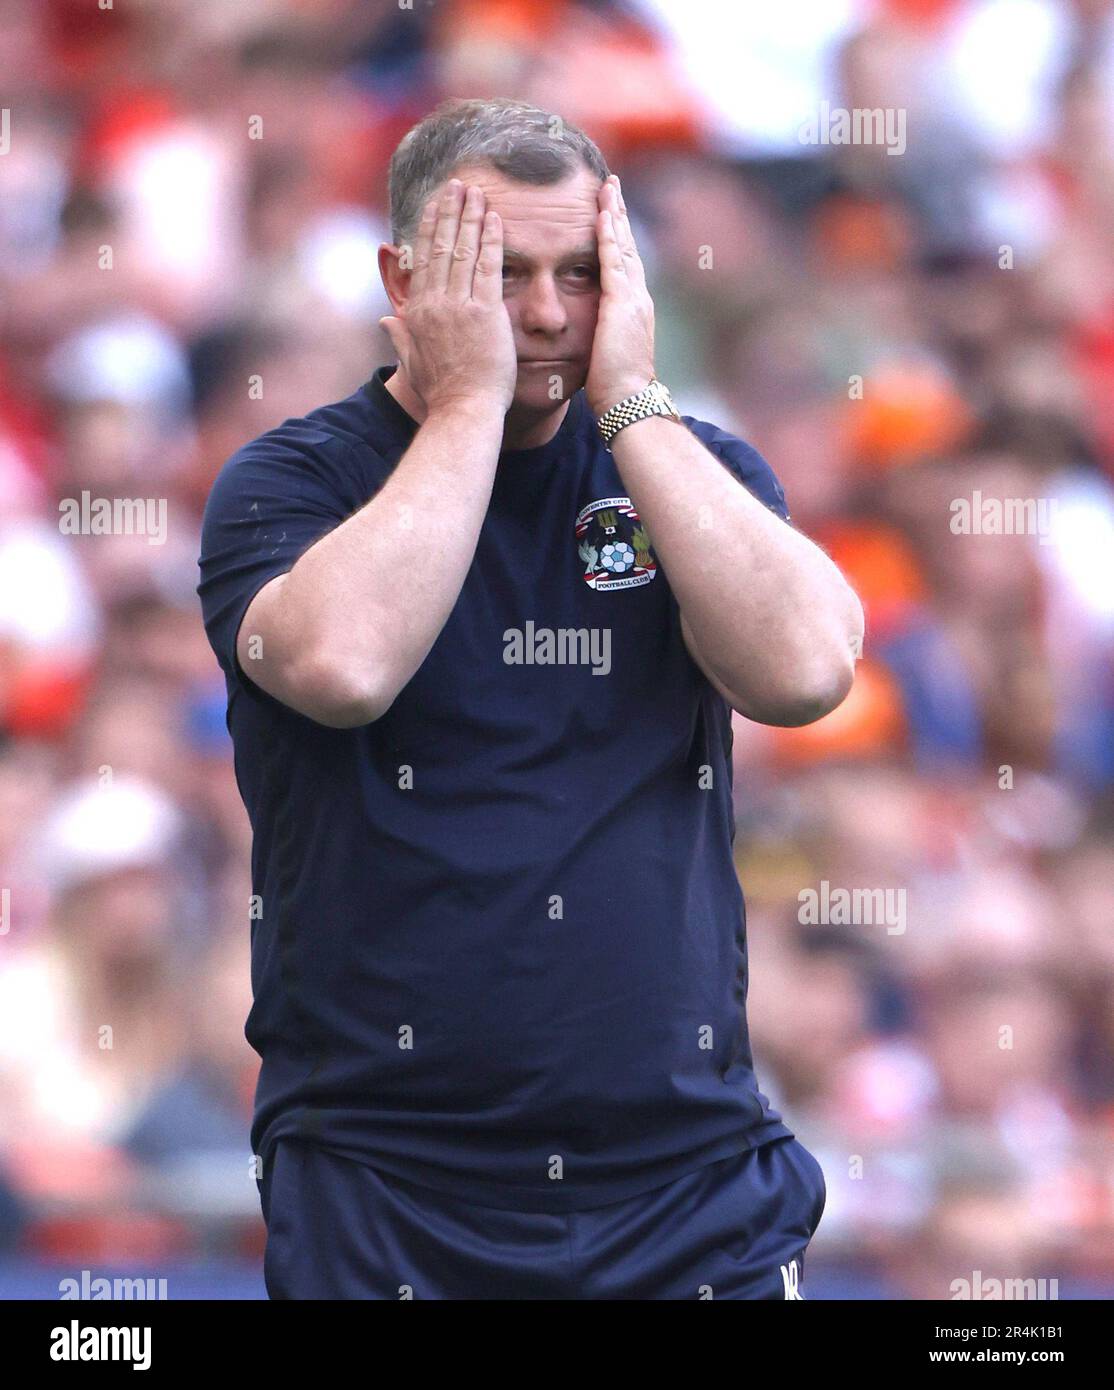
[736, 1229]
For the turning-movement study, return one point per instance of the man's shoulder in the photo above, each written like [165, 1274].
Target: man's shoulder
[721, 440]
[744, 460]
[331, 429]
[334, 445]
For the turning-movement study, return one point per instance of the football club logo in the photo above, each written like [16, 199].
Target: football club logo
[614, 545]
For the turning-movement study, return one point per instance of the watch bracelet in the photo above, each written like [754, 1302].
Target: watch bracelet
[639, 406]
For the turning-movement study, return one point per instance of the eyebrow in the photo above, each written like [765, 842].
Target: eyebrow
[582, 253]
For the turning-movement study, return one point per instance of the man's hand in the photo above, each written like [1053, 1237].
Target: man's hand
[454, 338]
[623, 348]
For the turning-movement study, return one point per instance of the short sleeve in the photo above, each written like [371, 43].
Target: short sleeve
[271, 501]
[745, 462]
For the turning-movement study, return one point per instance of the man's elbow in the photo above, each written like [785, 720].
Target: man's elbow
[822, 680]
[811, 702]
[809, 695]
[338, 695]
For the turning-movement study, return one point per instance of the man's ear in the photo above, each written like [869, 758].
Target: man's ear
[394, 270]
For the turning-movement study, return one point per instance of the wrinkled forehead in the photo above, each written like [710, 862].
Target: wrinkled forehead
[550, 219]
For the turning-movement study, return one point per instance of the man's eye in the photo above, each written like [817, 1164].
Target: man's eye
[584, 271]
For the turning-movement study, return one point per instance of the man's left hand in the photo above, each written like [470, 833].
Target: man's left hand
[623, 349]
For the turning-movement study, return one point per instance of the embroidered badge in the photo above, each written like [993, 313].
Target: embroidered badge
[614, 545]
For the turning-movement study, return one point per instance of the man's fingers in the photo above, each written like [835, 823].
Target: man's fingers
[613, 269]
[444, 237]
[624, 234]
[419, 251]
[487, 283]
[463, 263]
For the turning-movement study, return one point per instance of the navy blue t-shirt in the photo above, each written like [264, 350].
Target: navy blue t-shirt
[499, 946]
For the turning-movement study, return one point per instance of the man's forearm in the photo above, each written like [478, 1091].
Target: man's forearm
[347, 629]
[772, 618]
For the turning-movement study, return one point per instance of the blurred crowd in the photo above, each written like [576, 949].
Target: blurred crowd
[191, 199]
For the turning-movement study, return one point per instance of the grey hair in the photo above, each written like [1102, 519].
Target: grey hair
[522, 141]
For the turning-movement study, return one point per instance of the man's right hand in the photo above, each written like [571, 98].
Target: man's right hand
[454, 339]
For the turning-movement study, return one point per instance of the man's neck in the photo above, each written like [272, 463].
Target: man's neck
[521, 430]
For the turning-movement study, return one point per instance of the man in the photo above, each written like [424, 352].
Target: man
[483, 624]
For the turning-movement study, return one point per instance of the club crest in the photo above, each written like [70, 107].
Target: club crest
[614, 545]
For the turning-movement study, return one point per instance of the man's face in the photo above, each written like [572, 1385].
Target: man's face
[551, 283]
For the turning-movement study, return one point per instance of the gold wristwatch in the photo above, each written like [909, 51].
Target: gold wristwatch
[653, 399]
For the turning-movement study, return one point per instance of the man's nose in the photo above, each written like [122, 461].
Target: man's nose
[542, 309]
